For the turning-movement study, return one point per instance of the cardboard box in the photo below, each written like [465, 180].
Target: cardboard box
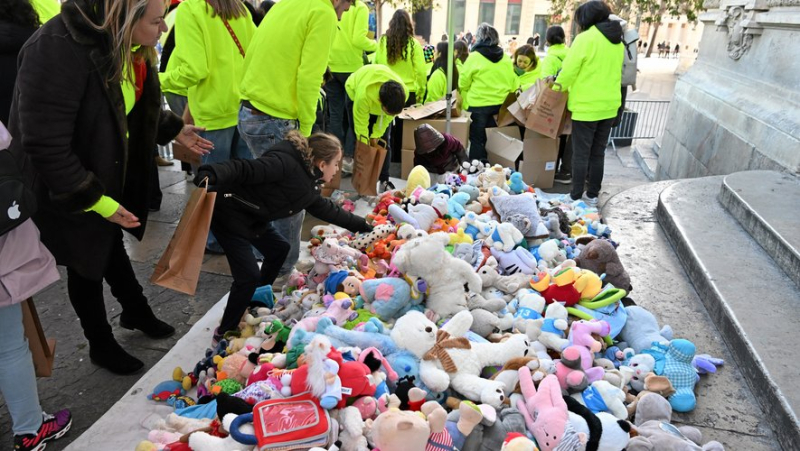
[503, 146]
[540, 155]
[406, 162]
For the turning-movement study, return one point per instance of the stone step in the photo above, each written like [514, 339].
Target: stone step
[646, 158]
[753, 304]
[657, 145]
[766, 204]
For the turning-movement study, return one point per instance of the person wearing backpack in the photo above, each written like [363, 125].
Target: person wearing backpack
[592, 75]
[87, 137]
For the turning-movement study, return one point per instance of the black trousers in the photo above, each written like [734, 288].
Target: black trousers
[244, 267]
[86, 295]
[482, 118]
[589, 141]
[384, 176]
[397, 129]
[564, 165]
[337, 105]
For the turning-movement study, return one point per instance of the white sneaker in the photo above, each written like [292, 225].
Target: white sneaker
[590, 201]
[347, 165]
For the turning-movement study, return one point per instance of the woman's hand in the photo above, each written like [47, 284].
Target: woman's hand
[189, 138]
[124, 218]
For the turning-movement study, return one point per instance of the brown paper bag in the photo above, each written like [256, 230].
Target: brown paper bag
[546, 115]
[182, 153]
[43, 349]
[504, 117]
[179, 266]
[367, 165]
[334, 184]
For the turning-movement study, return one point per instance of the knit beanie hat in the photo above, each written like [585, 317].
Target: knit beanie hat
[427, 51]
[427, 139]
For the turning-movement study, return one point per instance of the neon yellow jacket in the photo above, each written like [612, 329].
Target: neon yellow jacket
[351, 40]
[46, 9]
[592, 73]
[286, 61]
[207, 62]
[552, 62]
[363, 88]
[437, 86]
[411, 70]
[527, 79]
[484, 83]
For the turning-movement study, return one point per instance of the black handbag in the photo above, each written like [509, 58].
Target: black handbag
[17, 201]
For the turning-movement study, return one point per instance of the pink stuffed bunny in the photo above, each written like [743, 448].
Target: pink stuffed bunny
[545, 412]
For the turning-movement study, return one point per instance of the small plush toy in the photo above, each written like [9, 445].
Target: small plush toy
[518, 442]
[365, 240]
[550, 254]
[490, 277]
[164, 390]
[460, 237]
[601, 257]
[601, 396]
[323, 373]
[397, 430]
[516, 184]
[638, 367]
[519, 260]
[419, 176]
[677, 367]
[420, 216]
[387, 297]
[457, 204]
[470, 253]
[641, 329]
[602, 431]
[490, 433]
[563, 288]
[655, 431]
[340, 311]
[445, 275]
[501, 236]
[494, 176]
[546, 414]
[509, 373]
[449, 435]
[528, 305]
[550, 330]
[522, 211]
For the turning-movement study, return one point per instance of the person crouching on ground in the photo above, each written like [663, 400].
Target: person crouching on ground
[438, 153]
[253, 193]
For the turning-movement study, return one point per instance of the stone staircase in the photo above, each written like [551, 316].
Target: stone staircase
[736, 237]
[645, 153]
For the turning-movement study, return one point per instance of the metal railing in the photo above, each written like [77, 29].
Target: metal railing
[642, 119]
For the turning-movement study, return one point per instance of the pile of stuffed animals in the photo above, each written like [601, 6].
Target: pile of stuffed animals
[475, 316]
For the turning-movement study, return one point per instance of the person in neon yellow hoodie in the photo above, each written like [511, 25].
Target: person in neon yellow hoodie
[556, 51]
[437, 80]
[375, 95]
[592, 73]
[208, 63]
[283, 71]
[485, 81]
[346, 57]
[526, 65]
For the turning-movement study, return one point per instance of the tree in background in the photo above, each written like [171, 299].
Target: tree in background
[649, 11]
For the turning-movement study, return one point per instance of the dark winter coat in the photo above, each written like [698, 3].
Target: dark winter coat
[70, 129]
[445, 158]
[12, 37]
[251, 193]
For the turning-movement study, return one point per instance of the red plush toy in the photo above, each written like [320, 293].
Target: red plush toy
[563, 290]
[354, 376]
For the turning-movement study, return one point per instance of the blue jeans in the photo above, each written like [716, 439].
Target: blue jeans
[340, 124]
[261, 132]
[17, 377]
[227, 144]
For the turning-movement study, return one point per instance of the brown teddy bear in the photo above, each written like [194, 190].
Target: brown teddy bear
[600, 256]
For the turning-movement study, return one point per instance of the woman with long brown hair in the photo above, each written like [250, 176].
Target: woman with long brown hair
[400, 51]
[86, 116]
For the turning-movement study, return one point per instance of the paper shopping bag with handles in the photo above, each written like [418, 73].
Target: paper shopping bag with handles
[367, 165]
[43, 349]
[179, 266]
[546, 115]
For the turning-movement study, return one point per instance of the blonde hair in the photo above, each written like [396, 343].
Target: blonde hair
[319, 147]
[119, 19]
[227, 9]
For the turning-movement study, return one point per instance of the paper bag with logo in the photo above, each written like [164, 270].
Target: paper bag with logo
[367, 165]
[546, 115]
[179, 266]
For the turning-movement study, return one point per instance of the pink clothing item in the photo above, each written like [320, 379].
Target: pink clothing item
[26, 266]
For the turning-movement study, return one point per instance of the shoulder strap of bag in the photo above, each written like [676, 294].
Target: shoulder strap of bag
[233, 35]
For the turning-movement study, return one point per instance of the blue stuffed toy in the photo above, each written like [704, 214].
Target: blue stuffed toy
[388, 297]
[674, 361]
[456, 206]
[516, 184]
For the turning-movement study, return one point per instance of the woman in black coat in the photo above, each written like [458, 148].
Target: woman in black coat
[253, 193]
[86, 116]
[18, 21]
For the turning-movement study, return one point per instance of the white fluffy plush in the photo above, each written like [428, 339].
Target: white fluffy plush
[201, 441]
[420, 216]
[445, 275]
[418, 334]
[556, 314]
[503, 236]
[612, 396]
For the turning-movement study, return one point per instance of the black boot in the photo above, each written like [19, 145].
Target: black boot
[110, 355]
[145, 320]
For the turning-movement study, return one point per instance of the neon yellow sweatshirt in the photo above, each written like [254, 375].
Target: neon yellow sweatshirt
[527, 79]
[363, 88]
[207, 62]
[552, 62]
[286, 61]
[411, 70]
[46, 9]
[592, 73]
[437, 86]
[484, 83]
[351, 40]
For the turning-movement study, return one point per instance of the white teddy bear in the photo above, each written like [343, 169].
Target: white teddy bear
[503, 236]
[550, 330]
[447, 359]
[528, 305]
[445, 275]
[420, 216]
[612, 398]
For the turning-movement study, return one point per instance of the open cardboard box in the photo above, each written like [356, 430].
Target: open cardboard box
[433, 114]
[406, 162]
[539, 154]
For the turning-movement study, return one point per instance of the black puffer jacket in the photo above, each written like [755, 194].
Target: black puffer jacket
[12, 37]
[276, 185]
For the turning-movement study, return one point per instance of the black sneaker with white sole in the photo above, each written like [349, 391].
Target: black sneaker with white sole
[565, 178]
[385, 185]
